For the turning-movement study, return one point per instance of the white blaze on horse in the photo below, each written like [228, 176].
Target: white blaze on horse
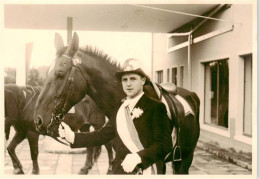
[79, 71]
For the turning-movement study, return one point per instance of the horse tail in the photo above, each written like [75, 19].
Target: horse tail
[7, 132]
[96, 152]
[8, 124]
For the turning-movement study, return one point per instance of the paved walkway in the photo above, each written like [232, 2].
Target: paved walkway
[204, 163]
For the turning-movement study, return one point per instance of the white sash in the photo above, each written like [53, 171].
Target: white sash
[126, 138]
[123, 130]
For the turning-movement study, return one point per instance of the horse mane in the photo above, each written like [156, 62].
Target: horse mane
[100, 55]
[94, 52]
[17, 90]
[12, 88]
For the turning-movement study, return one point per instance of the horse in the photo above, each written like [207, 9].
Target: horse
[19, 104]
[79, 71]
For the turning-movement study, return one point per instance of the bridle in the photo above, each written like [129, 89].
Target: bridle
[60, 108]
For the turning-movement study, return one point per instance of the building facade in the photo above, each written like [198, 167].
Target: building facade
[214, 58]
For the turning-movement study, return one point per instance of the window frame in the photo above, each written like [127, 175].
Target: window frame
[225, 132]
[157, 76]
[208, 118]
[239, 132]
[176, 67]
[181, 76]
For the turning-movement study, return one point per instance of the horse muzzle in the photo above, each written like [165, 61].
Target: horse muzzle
[39, 121]
[39, 125]
[41, 130]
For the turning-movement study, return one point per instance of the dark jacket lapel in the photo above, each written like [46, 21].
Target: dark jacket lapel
[142, 103]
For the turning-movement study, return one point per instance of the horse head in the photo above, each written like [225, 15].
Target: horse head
[60, 91]
[77, 72]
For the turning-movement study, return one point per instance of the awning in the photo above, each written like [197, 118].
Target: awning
[161, 18]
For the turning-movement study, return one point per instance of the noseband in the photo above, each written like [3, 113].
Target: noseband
[60, 108]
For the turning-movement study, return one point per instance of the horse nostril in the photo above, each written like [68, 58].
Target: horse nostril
[39, 121]
[49, 132]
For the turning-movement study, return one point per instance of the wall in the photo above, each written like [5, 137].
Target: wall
[231, 45]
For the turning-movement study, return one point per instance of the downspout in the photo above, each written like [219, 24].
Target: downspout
[190, 42]
[210, 15]
[189, 34]
[189, 60]
[152, 60]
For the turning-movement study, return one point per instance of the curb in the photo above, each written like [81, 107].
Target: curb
[241, 159]
[66, 151]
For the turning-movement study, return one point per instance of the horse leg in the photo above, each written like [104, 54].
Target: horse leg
[33, 142]
[110, 156]
[17, 139]
[88, 163]
[89, 160]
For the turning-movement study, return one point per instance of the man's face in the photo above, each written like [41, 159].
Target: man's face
[132, 84]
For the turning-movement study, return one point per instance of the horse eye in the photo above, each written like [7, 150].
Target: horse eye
[59, 74]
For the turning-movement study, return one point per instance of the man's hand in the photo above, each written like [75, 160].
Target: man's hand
[130, 162]
[66, 132]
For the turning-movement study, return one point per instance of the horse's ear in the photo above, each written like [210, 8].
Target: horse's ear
[74, 43]
[58, 42]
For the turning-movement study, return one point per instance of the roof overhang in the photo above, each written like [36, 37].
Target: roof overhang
[157, 18]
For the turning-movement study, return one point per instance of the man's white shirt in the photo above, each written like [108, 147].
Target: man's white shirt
[132, 102]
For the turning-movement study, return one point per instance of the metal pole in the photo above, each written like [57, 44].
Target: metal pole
[69, 29]
[189, 61]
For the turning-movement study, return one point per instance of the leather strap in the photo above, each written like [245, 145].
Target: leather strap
[179, 115]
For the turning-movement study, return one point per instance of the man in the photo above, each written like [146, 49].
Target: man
[141, 130]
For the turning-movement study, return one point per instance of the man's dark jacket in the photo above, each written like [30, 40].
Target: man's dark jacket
[153, 128]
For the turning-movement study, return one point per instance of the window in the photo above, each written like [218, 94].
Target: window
[181, 75]
[247, 109]
[160, 76]
[168, 75]
[216, 93]
[174, 75]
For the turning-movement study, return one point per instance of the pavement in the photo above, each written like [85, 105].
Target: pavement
[204, 163]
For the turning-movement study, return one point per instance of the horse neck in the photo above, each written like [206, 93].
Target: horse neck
[102, 85]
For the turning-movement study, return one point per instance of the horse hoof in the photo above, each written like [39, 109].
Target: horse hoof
[109, 172]
[83, 171]
[17, 171]
[35, 172]
[110, 168]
